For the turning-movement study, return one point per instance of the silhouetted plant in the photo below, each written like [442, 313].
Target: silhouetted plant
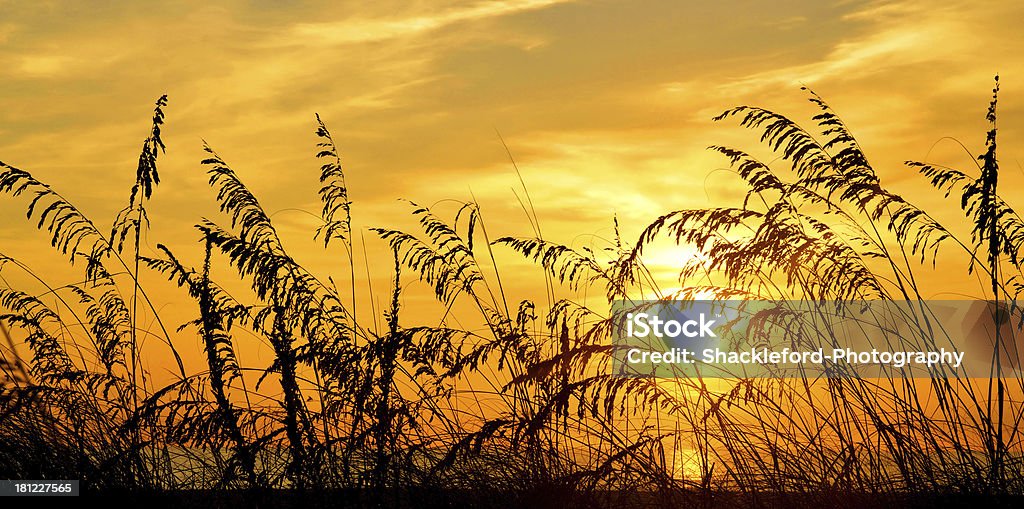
[520, 397]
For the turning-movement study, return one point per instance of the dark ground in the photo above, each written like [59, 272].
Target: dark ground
[487, 499]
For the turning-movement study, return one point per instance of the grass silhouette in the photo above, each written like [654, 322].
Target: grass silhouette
[524, 410]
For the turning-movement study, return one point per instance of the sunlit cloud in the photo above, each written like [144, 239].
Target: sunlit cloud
[42, 65]
[787, 23]
[6, 30]
[349, 31]
[897, 36]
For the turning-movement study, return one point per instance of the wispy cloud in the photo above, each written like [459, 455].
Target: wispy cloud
[6, 30]
[42, 65]
[361, 30]
[897, 35]
[786, 23]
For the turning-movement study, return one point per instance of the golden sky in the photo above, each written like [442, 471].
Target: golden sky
[605, 105]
